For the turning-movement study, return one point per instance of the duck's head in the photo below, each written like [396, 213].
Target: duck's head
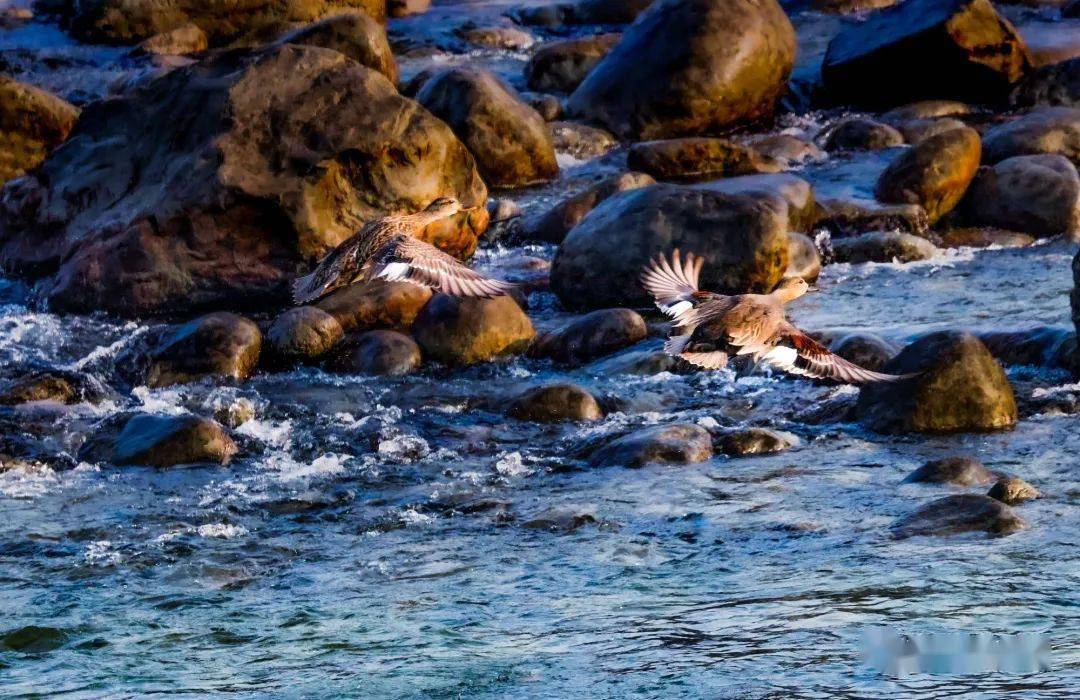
[791, 288]
[444, 207]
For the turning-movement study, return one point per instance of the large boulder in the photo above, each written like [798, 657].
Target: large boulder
[699, 158]
[1074, 299]
[555, 403]
[935, 173]
[956, 386]
[561, 65]
[1039, 195]
[354, 34]
[510, 140]
[925, 49]
[376, 304]
[465, 331]
[677, 443]
[219, 345]
[593, 335]
[303, 333]
[553, 225]
[205, 188]
[789, 194]
[689, 67]
[159, 441]
[1046, 130]
[128, 21]
[32, 123]
[958, 514]
[742, 238]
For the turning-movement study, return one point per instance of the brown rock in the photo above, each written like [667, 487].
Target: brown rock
[384, 353]
[958, 514]
[677, 443]
[791, 196]
[465, 331]
[161, 441]
[933, 174]
[842, 217]
[786, 148]
[860, 134]
[1011, 490]
[354, 34]
[755, 441]
[376, 304]
[981, 237]
[32, 123]
[1038, 195]
[580, 140]
[918, 130]
[55, 385]
[406, 8]
[958, 471]
[303, 333]
[1056, 85]
[553, 225]
[555, 403]
[547, 106]
[185, 39]
[221, 345]
[697, 159]
[882, 247]
[865, 349]
[1045, 130]
[926, 109]
[593, 335]
[561, 65]
[506, 38]
[804, 260]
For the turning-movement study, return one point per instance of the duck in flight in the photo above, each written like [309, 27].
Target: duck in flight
[708, 328]
[388, 249]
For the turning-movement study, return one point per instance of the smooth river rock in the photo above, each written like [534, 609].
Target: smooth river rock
[958, 514]
[1011, 490]
[958, 471]
[1038, 195]
[591, 336]
[561, 65]
[935, 173]
[376, 304]
[861, 134]
[303, 333]
[1055, 85]
[382, 353]
[354, 34]
[219, 345]
[701, 158]
[677, 443]
[748, 442]
[882, 247]
[465, 331]
[1045, 130]
[555, 403]
[160, 441]
[32, 123]
[553, 225]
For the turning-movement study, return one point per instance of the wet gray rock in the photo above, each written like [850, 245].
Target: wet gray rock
[1037, 195]
[159, 441]
[235, 413]
[354, 34]
[957, 387]
[641, 362]
[593, 335]
[925, 49]
[934, 173]
[506, 38]
[755, 441]
[1011, 490]
[219, 345]
[865, 349]
[981, 237]
[562, 519]
[553, 225]
[958, 514]
[881, 247]
[958, 471]
[303, 333]
[1044, 130]
[510, 141]
[689, 67]
[695, 159]
[842, 217]
[862, 134]
[561, 65]
[804, 260]
[926, 109]
[916, 131]
[547, 106]
[466, 331]
[583, 12]
[383, 353]
[555, 403]
[788, 149]
[789, 194]
[743, 240]
[1041, 346]
[581, 140]
[677, 443]
[1055, 85]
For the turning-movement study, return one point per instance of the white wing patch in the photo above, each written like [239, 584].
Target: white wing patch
[394, 271]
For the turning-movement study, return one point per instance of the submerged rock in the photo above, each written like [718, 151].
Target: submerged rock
[882, 247]
[922, 49]
[32, 123]
[958, 471]
[562, 519]
[1046, 130]
[510, 141]
[553, 225]
[202, 188]
[554, 403]
[561, 65]
[303, 333]
[581, 140]
[981, 237]
[161, 441]
[354, 34]
[221, 345]
[641, 362]
[1038, 195]
[958, 514]
[547, 106]
[865, 349]
[1011, 490]
[384, 353]
[376, 304]
[743, 240]
[689, 67]
[755, 441]
[935, 173]
[697, 159]
[677, 443]
[842, 217]
[465, 331]
[861, 134]
[958, 387]
[593, 335]
[60, 386]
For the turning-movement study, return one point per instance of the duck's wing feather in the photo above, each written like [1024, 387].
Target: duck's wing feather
[797, 353]
[339, 268]
[674, 285]
[409, 259]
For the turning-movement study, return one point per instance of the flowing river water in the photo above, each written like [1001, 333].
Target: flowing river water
[402, 538]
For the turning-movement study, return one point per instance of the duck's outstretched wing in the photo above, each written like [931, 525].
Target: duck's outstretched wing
[797, 353]
[674, 285]
[408, 259]
[339, 268]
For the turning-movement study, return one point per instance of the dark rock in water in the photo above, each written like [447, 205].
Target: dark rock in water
[958, 471]
[510, 141]
[385, 353]
[865, 349]
[643, 362]
[861, 134]
[410, 87]
[981, 237]
[958, 514]
[465, 331]
[547, 106]
[183, 40]
[553, 225]
[844, 7]
[202, 188]
[406, 8]
[160, 441]
[1037, 347]
[506, 38]
[554, 403]
[925, 49]
[787, 149]
[1011, 490]
[882, 247]
[1056, 85]
[125, 22]
[755, 441]
[689, 67]
[376, 304]
[33, 639]
[788, 194]
[743, 240]
[803, 258]
[581, 140]
[502, 209]
[934, 173]
[560, 519]
[235, 413]
[915, 131]
[926, 109]
[677, 443]
[60, 386]
[32, 123]
[583, 12]
[221, 345]
[959, 387]
[561, 65]
[303, 333]
[593, 335]
[1074, 302]
[848, 217]
[697, 159]
[1038, 195]
[1045, 130]
[354, 34]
